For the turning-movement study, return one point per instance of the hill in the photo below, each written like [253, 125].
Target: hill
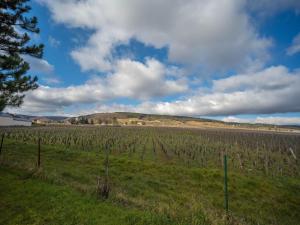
[141, 119]
[154, 120]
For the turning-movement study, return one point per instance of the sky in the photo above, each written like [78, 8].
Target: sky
[233, 60]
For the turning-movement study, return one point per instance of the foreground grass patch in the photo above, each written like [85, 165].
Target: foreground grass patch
[24, 200]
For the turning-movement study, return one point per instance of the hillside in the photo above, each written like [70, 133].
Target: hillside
[153, 120]
[125, 118]
[140, 119]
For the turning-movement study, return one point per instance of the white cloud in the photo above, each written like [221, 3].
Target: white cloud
[200, 33]
[53, 100]
[295, 47]
[53, 42]
[143, 81]
[52, 80]
[39, 65]
[42, 66]
[234, 119]
[106, 108]
[97, 55]
[131, 79]
[277, 120]
[273, 90]
[271, 78]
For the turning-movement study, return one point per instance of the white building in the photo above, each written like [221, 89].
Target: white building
[9, 120]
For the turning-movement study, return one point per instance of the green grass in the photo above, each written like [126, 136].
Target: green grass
[63, 191]
[31, 201]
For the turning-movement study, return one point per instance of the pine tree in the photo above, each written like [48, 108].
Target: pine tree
[15, 43]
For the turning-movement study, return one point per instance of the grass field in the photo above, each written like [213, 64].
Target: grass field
[153, 179]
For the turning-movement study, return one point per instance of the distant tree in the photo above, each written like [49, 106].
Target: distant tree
[72, 121]
[15, 42]
[133, 122]
[83, 120]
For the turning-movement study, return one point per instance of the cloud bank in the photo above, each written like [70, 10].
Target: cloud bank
[275, 89]
[131, 79]
[265, 120]
[214, 34]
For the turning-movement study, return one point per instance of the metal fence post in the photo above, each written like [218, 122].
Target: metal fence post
[225, 184]
[39, 153]
[1, 143]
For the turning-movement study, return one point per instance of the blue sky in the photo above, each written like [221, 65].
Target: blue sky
[234, 60]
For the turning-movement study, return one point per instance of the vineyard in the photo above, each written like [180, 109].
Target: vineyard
[173, 175]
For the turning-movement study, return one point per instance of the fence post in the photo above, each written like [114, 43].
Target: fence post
[106, 166]
[39, 153]
[1, 143]
[225, 183]
[103, 187]
[106, 179]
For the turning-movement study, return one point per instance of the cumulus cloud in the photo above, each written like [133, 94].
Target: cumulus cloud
[295, 47]
[272, 78]
[130, 79]
[42, 66]
[278, 120]
[272, 90]
[143, 81]
[265, 120]
[39, 65]
[199, 33]
[234, 119]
